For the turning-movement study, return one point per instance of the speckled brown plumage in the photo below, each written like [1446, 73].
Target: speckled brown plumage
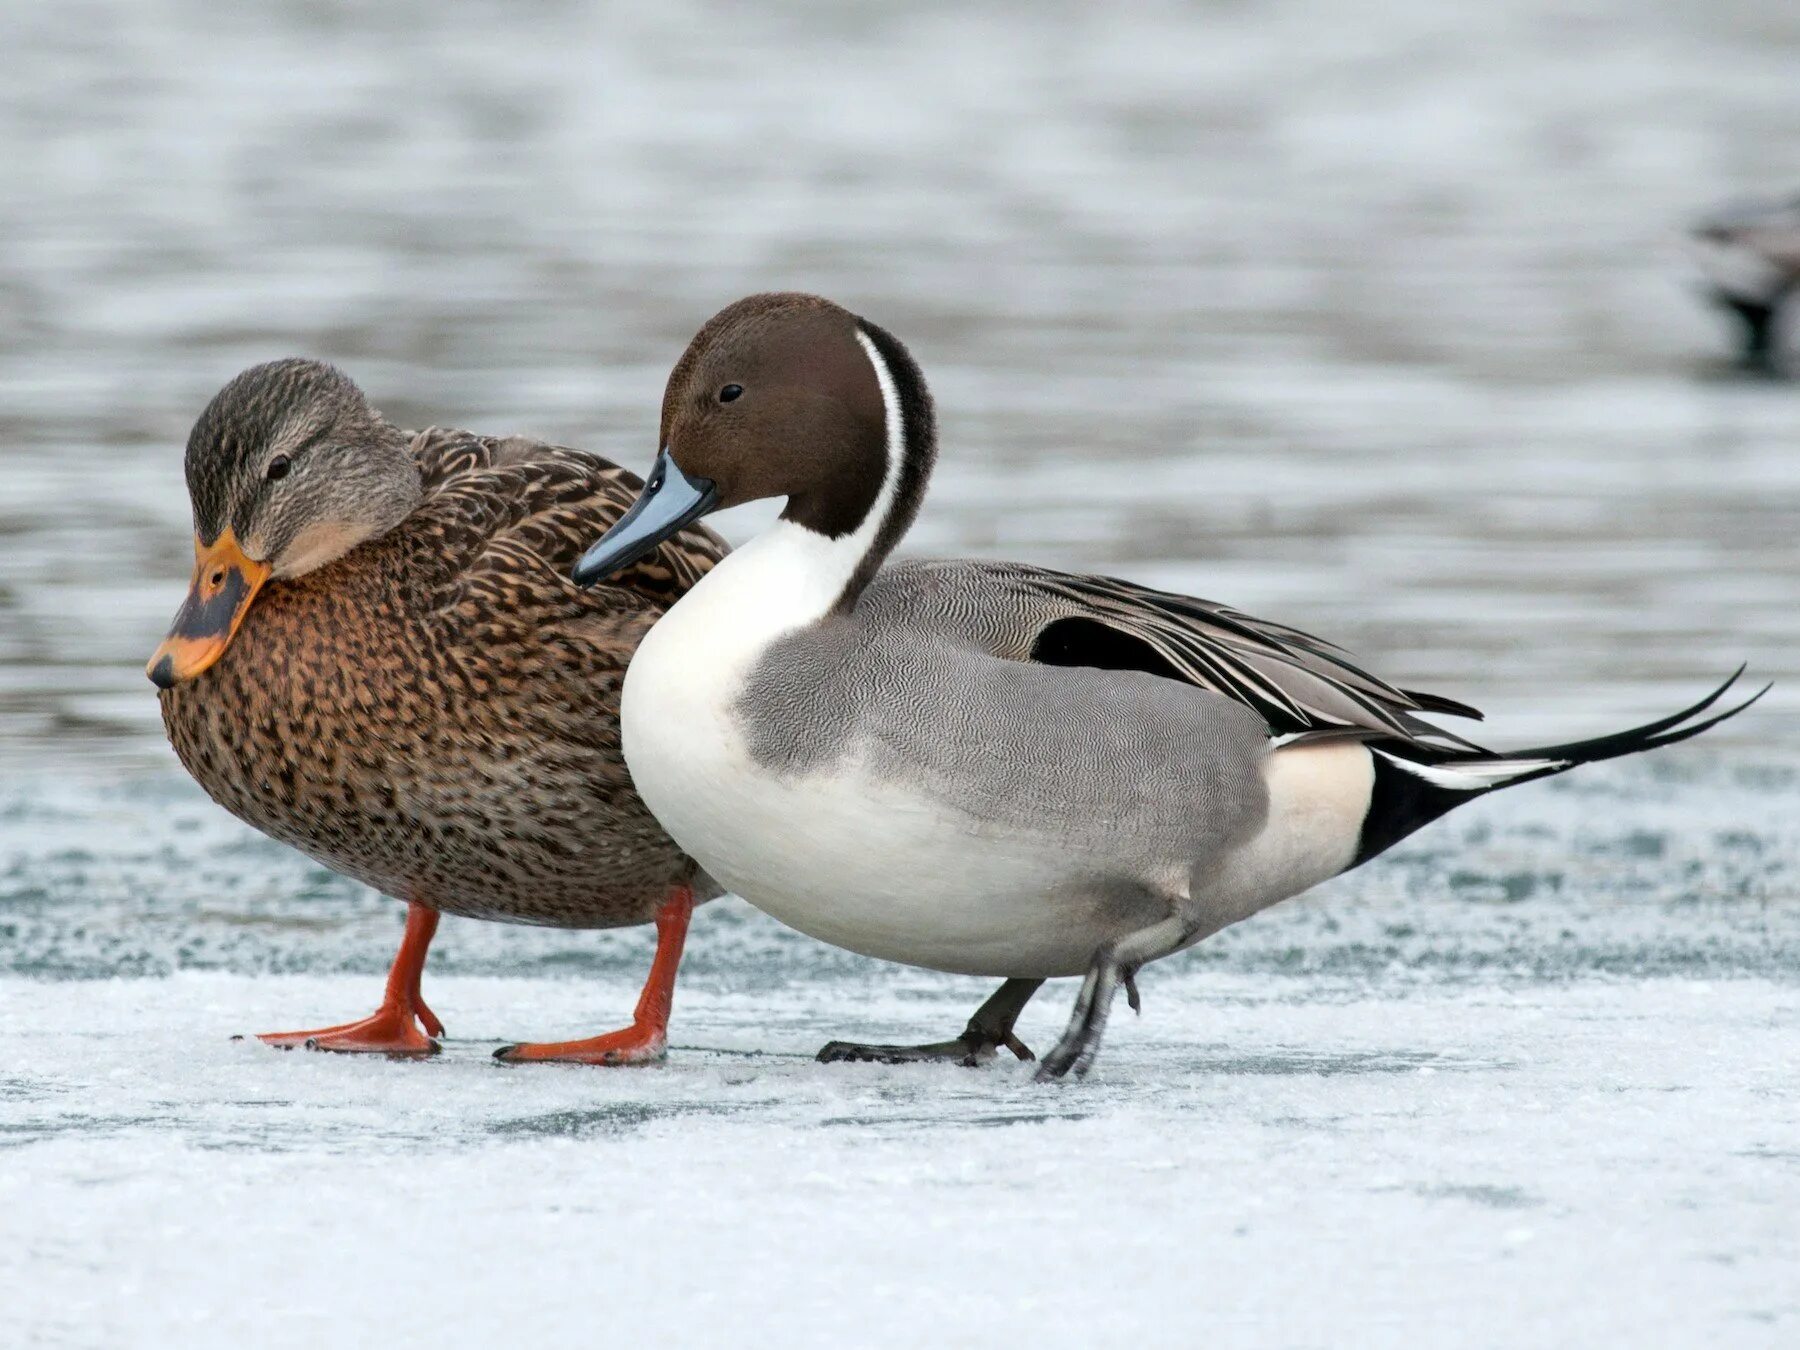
[435, 713]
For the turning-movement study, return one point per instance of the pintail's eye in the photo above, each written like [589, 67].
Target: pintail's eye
[278, 468]
[730, 393]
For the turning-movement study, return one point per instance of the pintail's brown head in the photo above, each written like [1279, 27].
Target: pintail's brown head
[288, 469]
[785, 395]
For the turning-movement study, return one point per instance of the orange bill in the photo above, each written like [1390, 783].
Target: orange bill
[225, 582]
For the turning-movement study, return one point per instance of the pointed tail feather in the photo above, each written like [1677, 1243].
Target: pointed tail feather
[1669, 730]
[1414, 784]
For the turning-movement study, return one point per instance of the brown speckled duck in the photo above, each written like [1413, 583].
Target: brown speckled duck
[381, 662]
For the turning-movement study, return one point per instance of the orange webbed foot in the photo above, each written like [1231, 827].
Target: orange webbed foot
[391, 1030]
[646, 1040]
[640, 1043]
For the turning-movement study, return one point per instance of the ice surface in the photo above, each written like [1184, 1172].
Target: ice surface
[1263, 1160]
[1531, 1079]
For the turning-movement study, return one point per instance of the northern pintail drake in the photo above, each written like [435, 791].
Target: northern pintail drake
[986, 768]
[1750, 253]
[382, 662]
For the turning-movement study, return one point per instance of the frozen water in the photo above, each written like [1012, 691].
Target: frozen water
[1529, 1080]
[1367, 319]
[1265, 1160]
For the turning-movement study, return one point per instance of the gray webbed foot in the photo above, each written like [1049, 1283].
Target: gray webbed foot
[967, 1050]
[989, 1030]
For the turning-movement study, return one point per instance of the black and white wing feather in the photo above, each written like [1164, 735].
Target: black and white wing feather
[1303, 686]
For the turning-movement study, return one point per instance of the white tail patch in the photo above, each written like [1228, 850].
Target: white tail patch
[1318, 795]
[1475, 775]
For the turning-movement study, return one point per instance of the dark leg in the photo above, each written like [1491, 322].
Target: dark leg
[1114, 965]
[1758, 318]
[392, 1029]
[1081, 1041]
[1759, 335]
[990, 1028]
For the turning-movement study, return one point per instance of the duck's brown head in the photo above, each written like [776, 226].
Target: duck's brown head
[785, 395]
[288, 469]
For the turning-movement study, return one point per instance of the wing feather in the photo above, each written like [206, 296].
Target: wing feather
[507, 518]
[1302, 685]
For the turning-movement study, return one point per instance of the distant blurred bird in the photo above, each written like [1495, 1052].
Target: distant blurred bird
[1750, 252]
[382, 662]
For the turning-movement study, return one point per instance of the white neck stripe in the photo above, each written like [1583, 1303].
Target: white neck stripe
[866, 533]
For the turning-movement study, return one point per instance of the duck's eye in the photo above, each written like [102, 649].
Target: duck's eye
[730, 393]
[278, 468]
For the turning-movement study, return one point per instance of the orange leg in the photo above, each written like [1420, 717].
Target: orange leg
[646, 1039]
[390, 1029]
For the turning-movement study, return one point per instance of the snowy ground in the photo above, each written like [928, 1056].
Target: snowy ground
[1263, 1161]
[1529, 1081]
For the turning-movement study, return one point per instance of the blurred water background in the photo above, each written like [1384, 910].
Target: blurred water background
[1373, 319]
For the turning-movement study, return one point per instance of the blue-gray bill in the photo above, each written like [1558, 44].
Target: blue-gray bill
[669, 501]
